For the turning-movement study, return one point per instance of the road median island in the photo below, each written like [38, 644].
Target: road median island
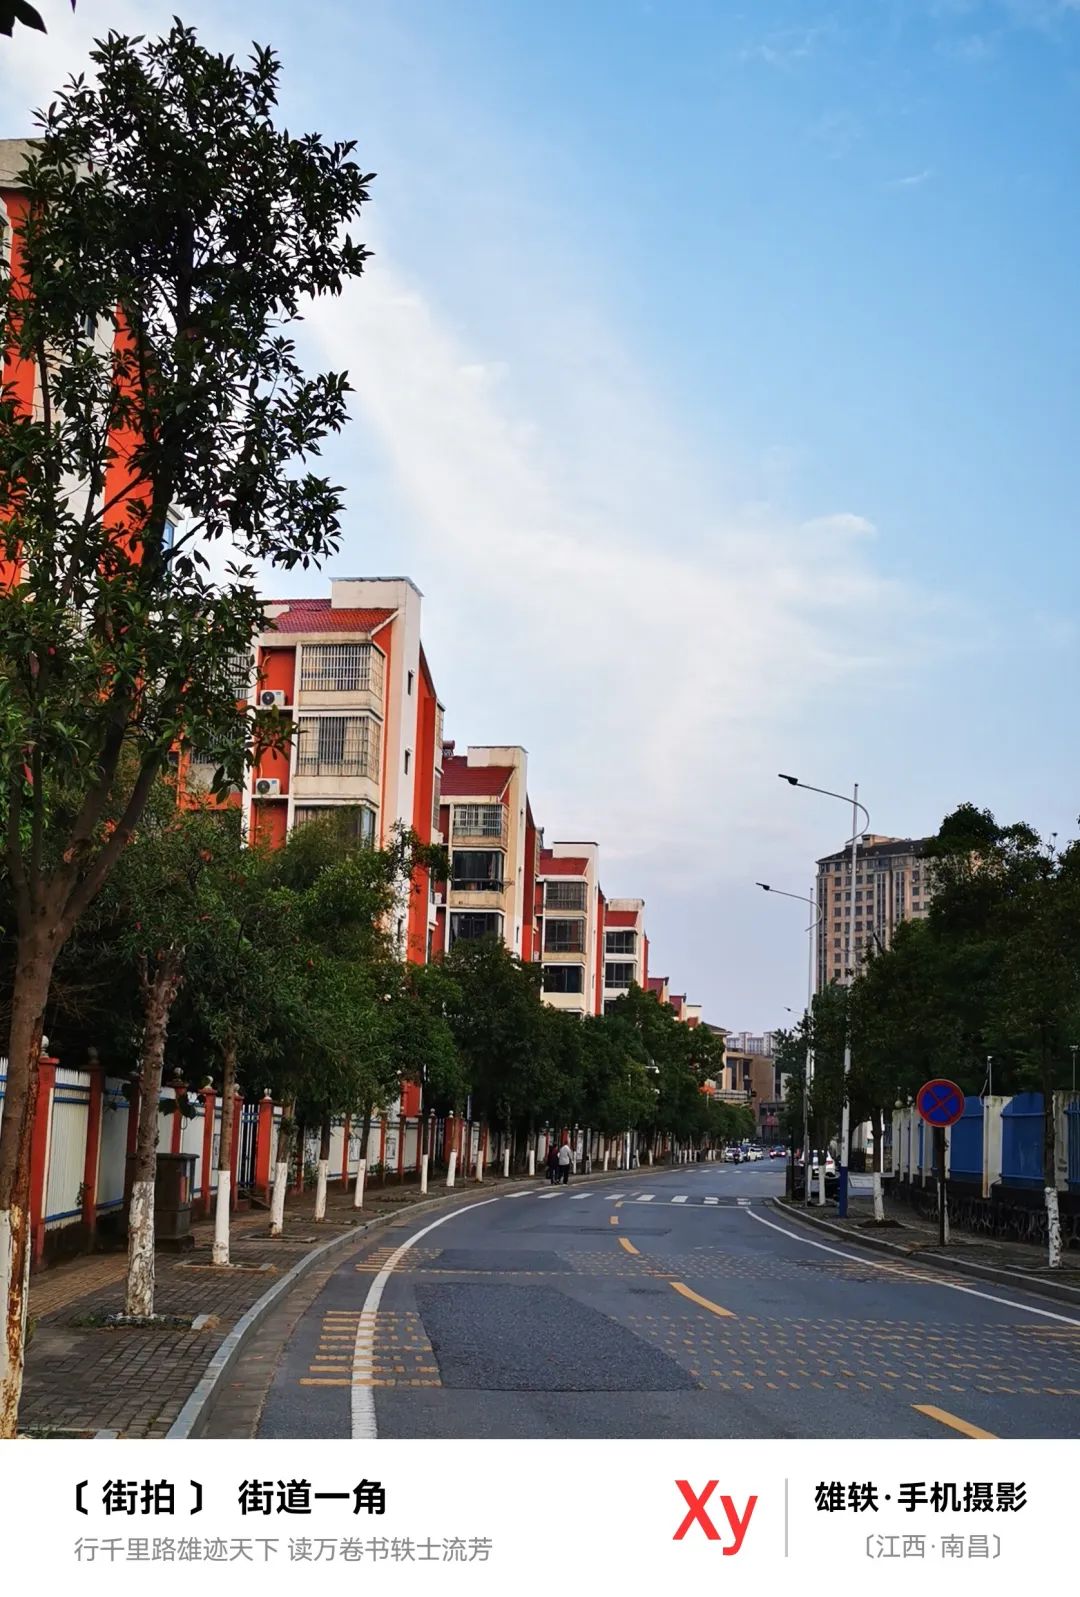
[1012, 1265]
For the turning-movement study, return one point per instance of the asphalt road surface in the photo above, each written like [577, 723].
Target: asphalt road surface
[674, 1304]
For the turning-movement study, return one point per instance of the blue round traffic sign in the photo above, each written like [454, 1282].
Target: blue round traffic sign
[940, 1102]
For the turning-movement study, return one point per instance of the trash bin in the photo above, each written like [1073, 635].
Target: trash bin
[173, 1191]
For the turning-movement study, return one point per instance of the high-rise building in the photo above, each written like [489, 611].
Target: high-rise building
[892, 884]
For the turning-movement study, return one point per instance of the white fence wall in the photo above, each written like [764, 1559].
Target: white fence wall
[115, 1110]
[66, 1148]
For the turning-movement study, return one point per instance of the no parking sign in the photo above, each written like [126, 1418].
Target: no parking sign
[940, 1102]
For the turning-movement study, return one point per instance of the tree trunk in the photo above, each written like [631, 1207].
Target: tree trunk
[33, 975]
[224, 1186]
[878, 1116]
[286, 1132]
[159, 995]
[323, 1170]
[369, 1115]
[1050, 1192]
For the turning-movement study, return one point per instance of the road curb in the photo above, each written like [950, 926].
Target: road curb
[940, 1261]
[196, 1408]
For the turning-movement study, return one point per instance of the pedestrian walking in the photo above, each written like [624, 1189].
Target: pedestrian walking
[552, 1162]
[565, 1161]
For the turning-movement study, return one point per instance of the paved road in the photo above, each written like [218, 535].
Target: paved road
[675, 1304]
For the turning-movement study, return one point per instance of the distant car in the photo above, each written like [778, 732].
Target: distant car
[776, 1153]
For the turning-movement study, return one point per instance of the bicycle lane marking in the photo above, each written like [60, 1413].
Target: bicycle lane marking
[909, 1271]
[362, 1407]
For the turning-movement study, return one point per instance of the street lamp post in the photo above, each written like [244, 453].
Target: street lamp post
[845, 1113]
[809, 1072]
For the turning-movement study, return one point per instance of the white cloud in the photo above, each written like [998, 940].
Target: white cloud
[643, 644]
[913, 180]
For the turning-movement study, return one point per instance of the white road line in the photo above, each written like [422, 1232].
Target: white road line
[546, 1197]
[929, 1280]
[679, 1200]
[646, 1197]
[744, 1203]
[611, 1197]
[712, 1200]
[364, 1426]
[579, 1197]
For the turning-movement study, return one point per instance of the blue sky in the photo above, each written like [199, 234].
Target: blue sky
[715, 381]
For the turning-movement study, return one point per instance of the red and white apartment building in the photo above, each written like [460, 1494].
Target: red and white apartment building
[570, 910]
[350, 673]
[494, 845]
[626, 948]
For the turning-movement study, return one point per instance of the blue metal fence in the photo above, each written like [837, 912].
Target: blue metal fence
[1022, 1141]
[966, 1143]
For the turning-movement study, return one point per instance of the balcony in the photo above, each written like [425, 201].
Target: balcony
[480, 823]
[566, 896]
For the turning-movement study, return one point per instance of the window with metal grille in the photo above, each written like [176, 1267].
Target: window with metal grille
[564, 936]
[338, 745]
[479, 820]
[341, 668]
[620, 942]
[237, 673]
[618, 975]
[435, 797]
[357, 821]
[564, 895]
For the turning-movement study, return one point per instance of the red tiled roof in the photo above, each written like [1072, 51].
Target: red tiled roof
[552, 865]
[462, 780]
[621, 917]
[317, 615]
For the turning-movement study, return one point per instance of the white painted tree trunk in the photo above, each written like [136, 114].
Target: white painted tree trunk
[140, 1277]
[15, 1293]
[358, 1194]
[1053, 1228]
[879, 1198]
[220, 1253]
[451, 1168]
[320, 1189]
[480, 1164]
[277, 1202]
[506, 1165]
[424, 1171]
[532, 1161]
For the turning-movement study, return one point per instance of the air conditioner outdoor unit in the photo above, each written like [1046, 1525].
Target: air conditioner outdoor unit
[272, 698]
[438, 898]
[268, 787]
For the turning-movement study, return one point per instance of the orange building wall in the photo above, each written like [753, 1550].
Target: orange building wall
[423, 799]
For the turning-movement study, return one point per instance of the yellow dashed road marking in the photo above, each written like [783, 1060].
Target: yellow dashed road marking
[713, 1308]
[624, 1242]
[954, 1423]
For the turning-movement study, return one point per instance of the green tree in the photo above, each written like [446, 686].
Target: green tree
[171, 219]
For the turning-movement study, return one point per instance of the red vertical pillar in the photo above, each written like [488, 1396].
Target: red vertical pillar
[234, 1151]
[382, 1146]
[264, 1138]
[177, 1129]
[39, 1156]
[209, 1115]
[92, 1154]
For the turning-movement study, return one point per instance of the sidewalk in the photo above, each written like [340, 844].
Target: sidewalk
[908, 1236]
[83, 1378]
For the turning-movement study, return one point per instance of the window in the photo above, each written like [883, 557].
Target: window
[470, 926]
[237, 672]
[858, 892]
[564, 895]
[408, 757]
[341, 668]
[5, 243]
[836, 942]
[564, 936]
[620, 942]
[435, 798]
[618, 975]
[410, 681]
[479, 820]
[564, 978]
[479, 869]
[357, 821]
[338, 745]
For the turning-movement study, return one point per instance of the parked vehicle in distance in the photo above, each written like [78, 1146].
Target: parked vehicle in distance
[776, 1153]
